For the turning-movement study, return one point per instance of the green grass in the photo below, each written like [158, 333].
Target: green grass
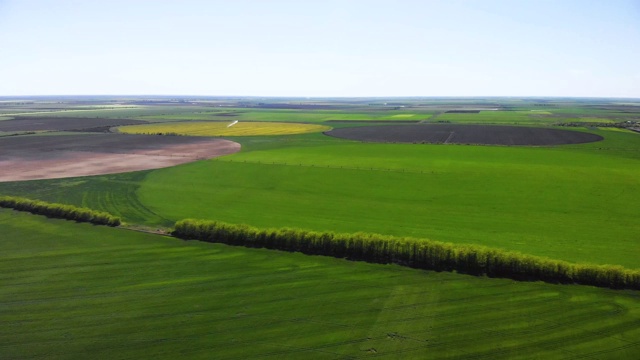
[498, 117]
[285, 115]
[592, 112]
[115, 194]
[573, 203]
[74, 291]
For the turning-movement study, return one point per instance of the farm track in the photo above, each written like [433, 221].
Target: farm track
[447, 141]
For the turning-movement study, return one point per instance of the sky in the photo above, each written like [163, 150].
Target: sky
[582, 48]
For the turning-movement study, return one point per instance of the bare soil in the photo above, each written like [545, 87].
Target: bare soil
[464, 134]
[61, 156]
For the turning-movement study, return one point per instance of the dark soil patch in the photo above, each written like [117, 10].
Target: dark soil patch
[464, 134]
[64, 124]
[463, 112]
[374, 121]
[60, 156]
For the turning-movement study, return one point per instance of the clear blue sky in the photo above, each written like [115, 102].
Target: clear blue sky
[321, 48]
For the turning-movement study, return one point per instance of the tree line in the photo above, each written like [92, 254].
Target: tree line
[412, 252]
[60, 211]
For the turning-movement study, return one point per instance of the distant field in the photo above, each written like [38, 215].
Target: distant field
[569, 202]
[448, 202]
[465, 134]
[171, 114]
[63, 156]
[105, 111]
[62, 124]
[74, 290]
[288, 115]
[231, 128]
[497, 117]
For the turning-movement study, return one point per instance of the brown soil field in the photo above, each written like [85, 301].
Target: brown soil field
[63, 124]
[464, 134]
[61, 156]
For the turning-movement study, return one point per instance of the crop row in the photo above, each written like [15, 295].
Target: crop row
[412, 252]
[60, 211]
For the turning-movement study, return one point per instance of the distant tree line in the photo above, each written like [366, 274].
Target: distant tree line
[412, 252]
[620, 125]
[60, 211]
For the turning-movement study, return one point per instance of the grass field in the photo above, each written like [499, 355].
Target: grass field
[498, 117]
[290, 115]
[514, 198]
[70, 290]
[568, 202]
[510, 111]
[232, 128]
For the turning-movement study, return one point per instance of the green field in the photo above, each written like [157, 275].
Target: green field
[514, 198]
[70, 290]
[572, 203]
[499, 117]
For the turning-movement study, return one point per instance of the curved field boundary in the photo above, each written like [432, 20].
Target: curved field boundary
[62, 156]
[216, 128]
[464, 134]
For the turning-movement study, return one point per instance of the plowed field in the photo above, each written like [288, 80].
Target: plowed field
[62, 124]
[464, 134]
[48, 157]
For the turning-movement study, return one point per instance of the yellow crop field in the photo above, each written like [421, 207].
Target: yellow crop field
[242, 128]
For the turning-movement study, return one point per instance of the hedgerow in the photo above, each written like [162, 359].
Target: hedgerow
[417, 253]
[61, 211]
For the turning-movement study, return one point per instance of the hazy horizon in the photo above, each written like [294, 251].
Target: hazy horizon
[328, 49]
[195, 96]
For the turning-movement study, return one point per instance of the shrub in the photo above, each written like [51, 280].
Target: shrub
[60, 211]
[418, 253]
